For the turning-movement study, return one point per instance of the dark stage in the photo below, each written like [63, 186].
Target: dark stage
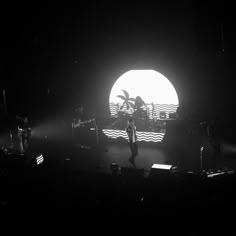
[160, 76]
[78, 184]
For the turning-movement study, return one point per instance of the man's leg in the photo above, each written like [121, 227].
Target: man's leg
[132, 148]
[135, 147]
[21, 146]
[25, 144]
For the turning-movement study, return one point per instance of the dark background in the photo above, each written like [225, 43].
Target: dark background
[54, 58]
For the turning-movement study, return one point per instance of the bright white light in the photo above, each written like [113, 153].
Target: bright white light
[142, 136]
[161, 166]
[150, 85]
[39, 159]
[146, 95]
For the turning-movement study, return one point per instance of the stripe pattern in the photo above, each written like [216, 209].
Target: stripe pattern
[154, 111]
[39, 159]
[142, 136]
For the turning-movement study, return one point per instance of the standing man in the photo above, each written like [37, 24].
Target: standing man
[24, 133]
[132, 139]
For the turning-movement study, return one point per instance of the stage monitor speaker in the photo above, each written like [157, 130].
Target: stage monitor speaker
[132, 173]
[161, 171]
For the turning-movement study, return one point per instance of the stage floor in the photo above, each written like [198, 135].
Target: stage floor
[98, 158]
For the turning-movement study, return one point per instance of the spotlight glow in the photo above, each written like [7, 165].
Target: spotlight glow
[147, 96]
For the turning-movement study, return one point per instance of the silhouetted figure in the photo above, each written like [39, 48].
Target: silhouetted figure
[132, 139]
[140, 113]
[24, 134]
[138, 103]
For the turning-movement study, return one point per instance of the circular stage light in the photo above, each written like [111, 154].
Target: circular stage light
[154, 89]
[149, 97]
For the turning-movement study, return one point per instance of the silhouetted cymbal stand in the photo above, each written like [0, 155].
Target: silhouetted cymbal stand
[202, 133]
[201, 159]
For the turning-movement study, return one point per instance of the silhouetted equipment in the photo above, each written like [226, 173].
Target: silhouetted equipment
[172, 115]
[190, 145]
[220, 173]
[162, 115]
[77, 124]
[114, 168]
[160, 170]
[86, 134]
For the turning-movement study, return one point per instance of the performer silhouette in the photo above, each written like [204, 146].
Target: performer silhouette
[132, 139]
[24, 134]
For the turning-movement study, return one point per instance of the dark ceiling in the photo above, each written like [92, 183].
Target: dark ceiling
[67, 54]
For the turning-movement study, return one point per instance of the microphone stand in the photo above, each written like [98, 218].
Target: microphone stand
[203, 132]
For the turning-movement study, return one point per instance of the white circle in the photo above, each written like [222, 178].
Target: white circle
[150, 85]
